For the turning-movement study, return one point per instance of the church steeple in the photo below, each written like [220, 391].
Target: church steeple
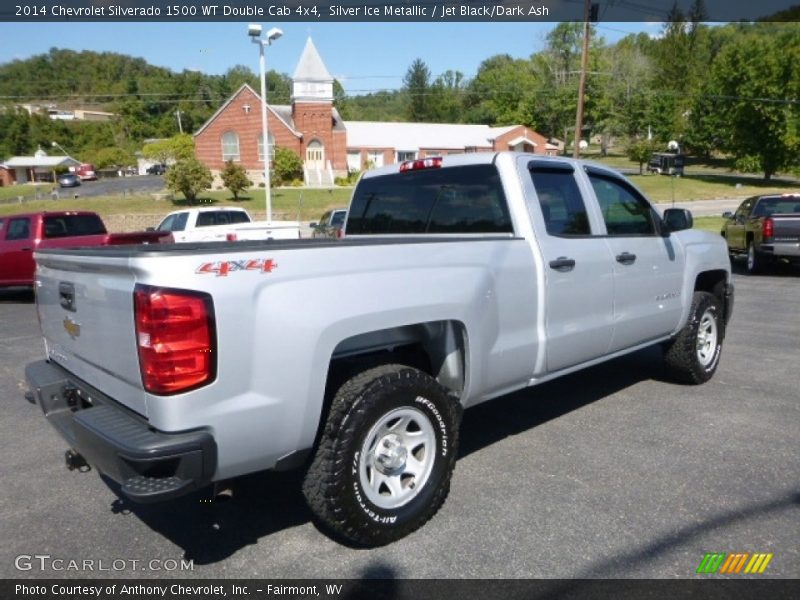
[311, 81]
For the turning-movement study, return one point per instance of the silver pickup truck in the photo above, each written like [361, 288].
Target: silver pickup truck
[461, 279]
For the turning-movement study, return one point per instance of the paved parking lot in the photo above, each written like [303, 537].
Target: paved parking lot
[613, 472]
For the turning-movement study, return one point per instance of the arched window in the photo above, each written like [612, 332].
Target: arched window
[271, 147]
[230, 146]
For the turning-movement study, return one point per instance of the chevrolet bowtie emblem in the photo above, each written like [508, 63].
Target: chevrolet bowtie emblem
[72, 328]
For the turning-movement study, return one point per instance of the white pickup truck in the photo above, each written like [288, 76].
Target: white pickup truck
[215, 224]
[461, 279]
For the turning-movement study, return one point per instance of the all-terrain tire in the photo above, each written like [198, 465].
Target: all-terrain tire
[386, 455]
[693, 356]
[755, 261]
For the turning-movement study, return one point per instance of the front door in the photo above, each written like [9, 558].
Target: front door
[315, 156]
[16, 256]
[648, 267]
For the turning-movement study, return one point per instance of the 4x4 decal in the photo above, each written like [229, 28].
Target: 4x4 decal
[222, 268]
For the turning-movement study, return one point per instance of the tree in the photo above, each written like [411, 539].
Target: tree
[112, 156]
[235, 178]
[416, 84]
[755, 81]
[188, 177]
[502, 92]
[639, 151]
[179, 147]
[286, 166]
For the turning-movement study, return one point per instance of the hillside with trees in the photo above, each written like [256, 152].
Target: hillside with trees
[731, 89]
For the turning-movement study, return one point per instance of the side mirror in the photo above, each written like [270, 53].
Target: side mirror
[727, 215]
[149, 228]
[313, 225]
[678, 219]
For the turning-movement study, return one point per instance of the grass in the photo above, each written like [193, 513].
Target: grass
[712, 224]
[287, 203]
[25, 189]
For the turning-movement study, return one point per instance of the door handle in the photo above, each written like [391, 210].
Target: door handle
[626, 258]
[563, 264]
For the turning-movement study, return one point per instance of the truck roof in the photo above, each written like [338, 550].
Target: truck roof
[49, 213]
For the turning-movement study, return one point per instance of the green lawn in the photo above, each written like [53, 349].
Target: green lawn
[22, 190]
[287, 204]
[712, 224]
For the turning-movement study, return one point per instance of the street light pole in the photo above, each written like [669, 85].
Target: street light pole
[254, 31]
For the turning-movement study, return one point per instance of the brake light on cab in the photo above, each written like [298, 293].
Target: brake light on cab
[175, 337]
[421, 164]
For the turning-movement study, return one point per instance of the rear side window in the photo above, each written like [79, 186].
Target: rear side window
[18, 229]
[467, 199]
[561, 201]
[72, 225]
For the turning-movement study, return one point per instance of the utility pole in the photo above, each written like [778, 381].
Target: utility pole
[180, 125]
[587, 11]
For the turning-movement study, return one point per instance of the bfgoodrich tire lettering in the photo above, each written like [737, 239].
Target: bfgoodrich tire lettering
[693, 355]
[386, 455]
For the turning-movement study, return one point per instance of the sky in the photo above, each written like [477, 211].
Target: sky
[363, 56]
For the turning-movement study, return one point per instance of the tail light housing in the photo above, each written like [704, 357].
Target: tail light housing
[232, 237]
[339, 233]
[175, 337]
[768, 228]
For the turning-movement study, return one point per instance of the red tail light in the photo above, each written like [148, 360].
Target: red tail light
[419, 165]
[175, 338]
[231, 237]
[340, 233]
[768, 228]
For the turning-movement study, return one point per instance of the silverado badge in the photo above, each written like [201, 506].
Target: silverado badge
[72, 328]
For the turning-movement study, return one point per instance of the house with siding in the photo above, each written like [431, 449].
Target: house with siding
[329, 146]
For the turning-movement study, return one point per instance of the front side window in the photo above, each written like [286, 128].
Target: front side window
[18, 229]
[624, 211]
[176, 222]
[230, 146]
[454, 200]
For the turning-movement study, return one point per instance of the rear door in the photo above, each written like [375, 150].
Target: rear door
[16, 253]
[647, 267]
[735, 230]
[578, 265]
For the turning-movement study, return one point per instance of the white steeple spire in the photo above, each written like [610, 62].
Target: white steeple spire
[311, 81]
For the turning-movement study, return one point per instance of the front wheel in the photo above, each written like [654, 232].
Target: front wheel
[693, 356]
[386, 455]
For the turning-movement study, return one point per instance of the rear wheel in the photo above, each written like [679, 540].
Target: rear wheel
[755, 260]
[694, 354]
[386, 455]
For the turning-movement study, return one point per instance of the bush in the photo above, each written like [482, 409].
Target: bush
[189, 177]
[235, 178]
[286, 166]
[640, 151]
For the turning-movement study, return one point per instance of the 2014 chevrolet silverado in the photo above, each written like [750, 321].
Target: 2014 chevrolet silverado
[461, 279]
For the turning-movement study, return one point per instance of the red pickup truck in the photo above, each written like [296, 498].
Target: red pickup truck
[22, 235]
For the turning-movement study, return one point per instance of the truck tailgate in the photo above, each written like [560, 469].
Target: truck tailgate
[85, 307]
[786, 228]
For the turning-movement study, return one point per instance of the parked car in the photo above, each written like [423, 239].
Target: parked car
[66, 180]
[462, 278]
[331, 224]
[157, 169]
[219, 223]
[24, 234]
[764, 229]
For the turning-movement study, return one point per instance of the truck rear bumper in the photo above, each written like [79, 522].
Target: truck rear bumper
[787, 249]
[149, 465]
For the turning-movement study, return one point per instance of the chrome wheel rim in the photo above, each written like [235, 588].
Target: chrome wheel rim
[397, 457]
[707, 338]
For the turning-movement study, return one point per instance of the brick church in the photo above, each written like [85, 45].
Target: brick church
[312, 127]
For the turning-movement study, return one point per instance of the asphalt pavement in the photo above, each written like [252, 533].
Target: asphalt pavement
[611, 472]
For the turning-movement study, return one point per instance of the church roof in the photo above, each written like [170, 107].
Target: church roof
[310, 67]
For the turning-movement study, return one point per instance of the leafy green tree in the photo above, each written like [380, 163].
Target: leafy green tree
[640, 151]
[502, 92]
[235, 178]
[178, 147]
[416, 85]
[756, 82]
[286, 166]
[113, 156]
[188, 177]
